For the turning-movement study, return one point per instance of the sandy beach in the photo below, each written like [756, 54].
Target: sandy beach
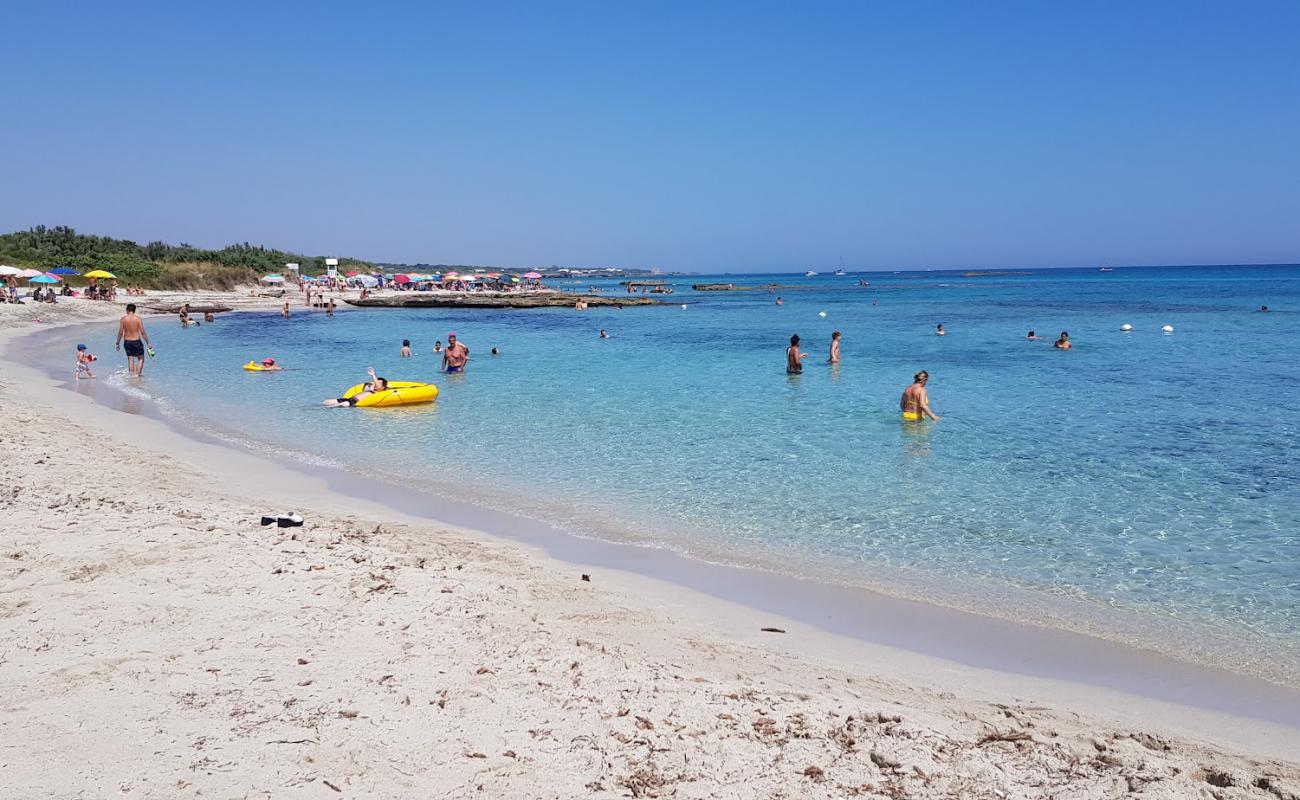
[157, 641]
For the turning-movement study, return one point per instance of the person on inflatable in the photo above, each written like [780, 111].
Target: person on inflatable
[375, 384]
[269, 365]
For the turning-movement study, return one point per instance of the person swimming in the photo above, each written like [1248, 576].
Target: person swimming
[376, 384]
[939, 331]
[1063, 343]
[604, 334]
[406, 348]
[915, 403]
[269, 365]
[1033, 337]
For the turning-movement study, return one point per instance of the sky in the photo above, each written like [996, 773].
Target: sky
[694, 136]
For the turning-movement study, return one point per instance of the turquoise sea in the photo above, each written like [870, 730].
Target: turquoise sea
[1142, 476]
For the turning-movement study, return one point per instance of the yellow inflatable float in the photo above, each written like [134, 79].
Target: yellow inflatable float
[267, 365]
[398, 393]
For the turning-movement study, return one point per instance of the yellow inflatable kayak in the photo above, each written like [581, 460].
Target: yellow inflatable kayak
[398, 393]
[253, 366]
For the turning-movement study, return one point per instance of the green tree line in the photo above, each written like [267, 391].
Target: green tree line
[61, 246]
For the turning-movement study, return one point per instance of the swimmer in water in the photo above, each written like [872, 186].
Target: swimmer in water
[437, 346]
[835, 348]
[455, 356]
[375, 384]
[1263, 309]
[1063, 343]
[939, 331]
[496, 352]
[604, 334]
[779, 302]
[793, 358]
[1033, 337]
[915, 403]
[406, 348]
[269, 365]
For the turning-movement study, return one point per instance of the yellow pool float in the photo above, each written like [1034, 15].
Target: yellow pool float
[398, 393]
[253, 366]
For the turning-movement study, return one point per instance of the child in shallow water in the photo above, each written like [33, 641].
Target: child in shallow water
[84, 360]
[406, 348]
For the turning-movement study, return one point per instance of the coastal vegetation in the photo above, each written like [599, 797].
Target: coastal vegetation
[157, 264]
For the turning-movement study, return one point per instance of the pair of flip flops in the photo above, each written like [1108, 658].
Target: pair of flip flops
[290, 520]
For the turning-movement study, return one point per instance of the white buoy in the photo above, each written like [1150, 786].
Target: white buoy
[821, 313]
[683, 305]
[1126, 327]
[1168, 329]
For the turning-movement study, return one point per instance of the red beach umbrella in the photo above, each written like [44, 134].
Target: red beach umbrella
[401, 279]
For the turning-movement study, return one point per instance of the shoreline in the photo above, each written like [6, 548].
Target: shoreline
[717, 625]
[1050, 636]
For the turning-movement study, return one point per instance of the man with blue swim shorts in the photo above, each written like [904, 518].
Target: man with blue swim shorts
[455, 356]
[130, 332]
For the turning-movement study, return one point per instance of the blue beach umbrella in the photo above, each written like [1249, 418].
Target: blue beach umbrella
[63, 271]
[43, 279]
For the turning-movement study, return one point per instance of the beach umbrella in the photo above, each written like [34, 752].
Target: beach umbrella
[351, 274]
[100, 273]
[63, 271]
[532, 276]
[8, 270]
[272, 279]
[31, 273]
[513, 279]
[43, 279]
[401, 279]
[451, 276]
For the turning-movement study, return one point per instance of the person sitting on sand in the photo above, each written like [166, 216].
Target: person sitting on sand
[375, 384]
[793, 358]
[1063, 343]
[406, 348]
[915, 403]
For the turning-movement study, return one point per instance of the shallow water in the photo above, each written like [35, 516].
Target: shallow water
[1148, 472]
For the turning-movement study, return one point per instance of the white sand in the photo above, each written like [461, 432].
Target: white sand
[156, 641]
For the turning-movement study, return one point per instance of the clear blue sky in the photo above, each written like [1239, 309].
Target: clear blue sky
[692, 136]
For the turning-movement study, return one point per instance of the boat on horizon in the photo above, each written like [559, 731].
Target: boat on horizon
[809, 274]
[840, 273]
[1106, 269]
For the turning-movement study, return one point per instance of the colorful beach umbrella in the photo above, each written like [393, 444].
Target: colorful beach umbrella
[63, 271]
[532, 276]
[43, 279]
[100, 273]
[31, 273]
[272, 279]
[351, 274]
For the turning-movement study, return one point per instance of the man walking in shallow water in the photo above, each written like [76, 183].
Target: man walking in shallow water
[130, 332]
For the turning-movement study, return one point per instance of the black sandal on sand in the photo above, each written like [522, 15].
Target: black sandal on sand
[290, 520]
